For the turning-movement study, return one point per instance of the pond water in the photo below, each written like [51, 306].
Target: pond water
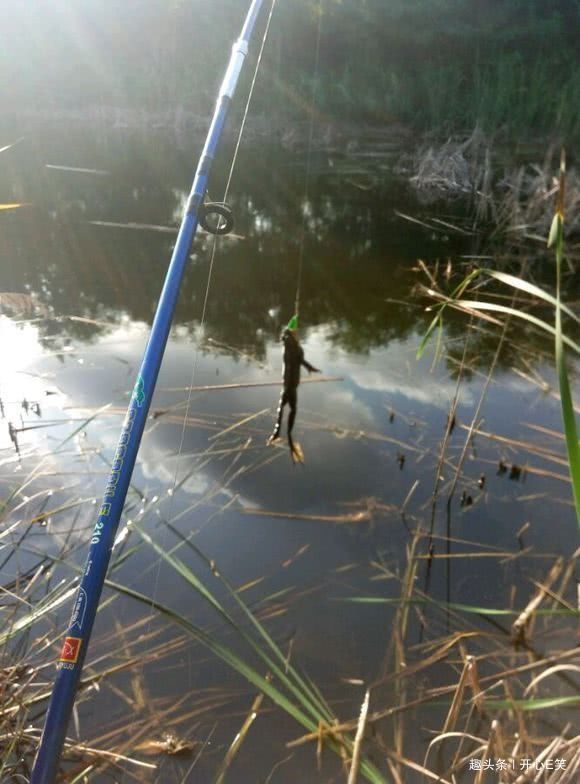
[308, 535]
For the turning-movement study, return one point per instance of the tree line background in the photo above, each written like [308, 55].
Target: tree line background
[430, 64]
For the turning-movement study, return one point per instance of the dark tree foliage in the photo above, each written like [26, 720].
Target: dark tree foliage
[428, 63]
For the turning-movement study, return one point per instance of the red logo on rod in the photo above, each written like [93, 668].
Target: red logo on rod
[70, 649]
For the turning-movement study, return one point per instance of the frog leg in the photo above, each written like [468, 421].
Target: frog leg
[295, 451]
[292, 400]
[278, 425]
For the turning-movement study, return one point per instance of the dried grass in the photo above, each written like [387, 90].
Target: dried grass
[517, 201]
[459, 168]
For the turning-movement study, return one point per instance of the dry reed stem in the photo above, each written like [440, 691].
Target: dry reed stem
[354, 517]
[415, 766]
[546, 674]
[528, 446]
[442, 736]
[455, 763]
[395, 772]
[533, 769]
[72, 746]
[548, 431]
[523, 736]
[248, 384]
[519, 625]
[456, 702]
[409, 495]
[238, 424]
[475, 417]
[545, 387]
[568, 578]
[343, 432]
[471, 662]
[558, 600]
[240, 737]
[360, 731]
[400, 627]
[487, 754]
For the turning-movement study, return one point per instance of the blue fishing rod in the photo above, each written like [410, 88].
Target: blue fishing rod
[75, 644]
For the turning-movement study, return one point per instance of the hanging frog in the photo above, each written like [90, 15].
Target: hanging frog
[293, 360]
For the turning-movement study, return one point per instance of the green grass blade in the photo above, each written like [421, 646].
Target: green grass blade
[262, 631]
[81, 427]
[554, 230]
[477, 305]
[569, 419]
[568, 414]
[248, 672]
[540, 703]
[427, 336]
[53, 600]
[222, 652]
[466, 608]
[278, 668]
[530, 288]
[438, 320]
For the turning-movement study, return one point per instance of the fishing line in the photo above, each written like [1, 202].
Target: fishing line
[215, 236]
[171, 492]
[228, 183]
[244, 118]
[308, 161]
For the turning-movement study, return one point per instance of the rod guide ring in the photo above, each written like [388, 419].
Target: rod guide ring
[225, 220]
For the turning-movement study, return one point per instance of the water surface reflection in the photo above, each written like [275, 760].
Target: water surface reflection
[318, 532]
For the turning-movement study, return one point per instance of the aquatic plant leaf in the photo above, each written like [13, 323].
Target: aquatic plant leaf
[81, 427]
[467, 608]
[477, 305]
[540, 703]
[568, 413]
[239, 739]
[245, 670]
[53, 600]
[437, 321]
[554, 229]
[279, 668]
[569, 419]
[530, 288]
